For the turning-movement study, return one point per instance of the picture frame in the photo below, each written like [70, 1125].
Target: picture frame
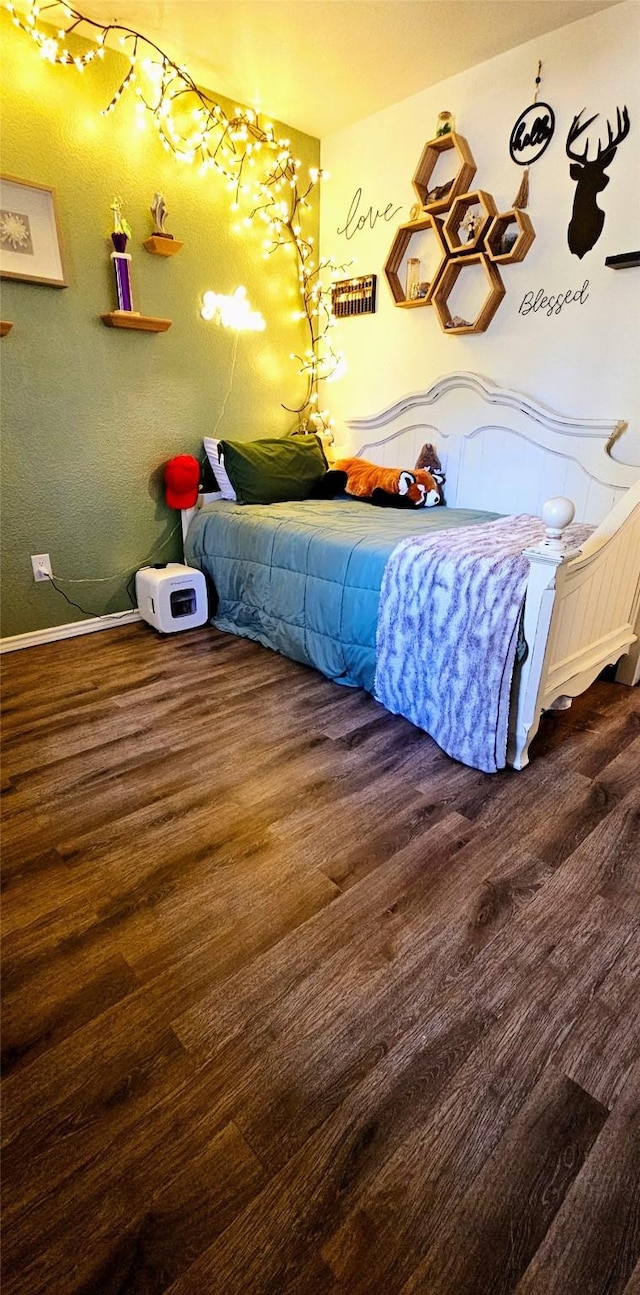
[29, 233]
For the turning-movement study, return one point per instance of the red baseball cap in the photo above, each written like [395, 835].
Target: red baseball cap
[181, 479]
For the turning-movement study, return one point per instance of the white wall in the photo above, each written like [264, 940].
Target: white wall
[584, 361]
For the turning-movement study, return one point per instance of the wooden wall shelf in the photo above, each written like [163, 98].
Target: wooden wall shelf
[446, 284]
[400, 248]
[524, 237]
[5, 327]
[141, 323]
[444, 209]
[623, 261]
[427, 164]
[459, 210]
[158, 245]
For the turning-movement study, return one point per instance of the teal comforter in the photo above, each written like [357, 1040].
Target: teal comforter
[304, 578]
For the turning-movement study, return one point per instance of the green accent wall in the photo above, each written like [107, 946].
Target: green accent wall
[91, 414]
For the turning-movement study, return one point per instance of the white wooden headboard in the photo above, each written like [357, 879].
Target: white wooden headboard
[500, 450]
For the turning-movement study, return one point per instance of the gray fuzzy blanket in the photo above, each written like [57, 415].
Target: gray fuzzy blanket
[450, 610]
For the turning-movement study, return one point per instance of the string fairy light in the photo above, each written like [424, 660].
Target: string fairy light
[196, 129]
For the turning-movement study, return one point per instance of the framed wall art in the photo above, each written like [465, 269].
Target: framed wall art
[29, 235]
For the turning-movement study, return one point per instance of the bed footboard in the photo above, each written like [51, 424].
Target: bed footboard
[581, 614]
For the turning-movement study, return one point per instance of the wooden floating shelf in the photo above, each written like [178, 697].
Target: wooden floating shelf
[426, 166]
[417, 301]
[494, 238]
[624, 261]
[459, 209]
[524, 236]
[5, 327]
[142, 323]
[162, 246]
[399, 249]
[446, 284]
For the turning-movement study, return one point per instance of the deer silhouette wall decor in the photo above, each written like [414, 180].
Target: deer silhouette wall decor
[587, 218]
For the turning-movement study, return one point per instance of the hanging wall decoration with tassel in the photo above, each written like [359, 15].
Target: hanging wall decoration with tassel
[530, 137]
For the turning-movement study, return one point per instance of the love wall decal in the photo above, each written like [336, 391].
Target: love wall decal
[357, 220]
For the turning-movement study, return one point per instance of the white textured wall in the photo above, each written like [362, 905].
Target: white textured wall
[584, 361]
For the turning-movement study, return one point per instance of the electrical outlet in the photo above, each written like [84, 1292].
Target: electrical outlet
[41, 566]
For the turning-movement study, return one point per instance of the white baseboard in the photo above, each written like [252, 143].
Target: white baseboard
[36, 637]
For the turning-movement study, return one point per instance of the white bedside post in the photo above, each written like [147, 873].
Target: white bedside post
[546, 559]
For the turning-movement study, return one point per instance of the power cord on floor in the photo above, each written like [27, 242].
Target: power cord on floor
[85, 611]
[56, 580]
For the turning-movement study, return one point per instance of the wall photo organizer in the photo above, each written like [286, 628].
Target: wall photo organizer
[464, 233]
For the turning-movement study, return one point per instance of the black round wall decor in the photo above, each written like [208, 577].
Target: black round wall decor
[532, 133]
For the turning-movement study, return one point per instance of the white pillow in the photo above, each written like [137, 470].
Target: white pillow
[216, 458]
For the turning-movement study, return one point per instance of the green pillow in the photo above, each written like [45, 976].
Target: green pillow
[274, 470]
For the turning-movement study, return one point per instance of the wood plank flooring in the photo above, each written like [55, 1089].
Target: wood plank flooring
[293, 1004]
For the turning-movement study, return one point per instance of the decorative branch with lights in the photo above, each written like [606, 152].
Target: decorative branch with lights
[193, 127]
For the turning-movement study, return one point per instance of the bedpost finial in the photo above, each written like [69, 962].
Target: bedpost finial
[557, 514]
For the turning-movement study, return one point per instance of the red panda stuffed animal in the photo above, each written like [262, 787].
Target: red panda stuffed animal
[389, 487]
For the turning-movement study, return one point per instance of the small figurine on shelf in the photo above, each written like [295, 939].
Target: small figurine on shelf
[160, 243]
[159, 212]
[121, 259]
[471, 224]
[445, 123]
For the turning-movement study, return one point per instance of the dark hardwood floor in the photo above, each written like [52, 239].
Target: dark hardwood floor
[293, 1003]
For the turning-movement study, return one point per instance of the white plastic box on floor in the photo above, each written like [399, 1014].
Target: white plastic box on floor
[172, 598]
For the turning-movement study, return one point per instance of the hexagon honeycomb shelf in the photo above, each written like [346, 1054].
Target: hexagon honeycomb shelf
[491, 241]
[457, 215]
[426, 166]
[505, 251]
[446, 284]
[399, 249]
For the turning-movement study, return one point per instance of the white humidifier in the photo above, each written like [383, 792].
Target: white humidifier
[172, 598]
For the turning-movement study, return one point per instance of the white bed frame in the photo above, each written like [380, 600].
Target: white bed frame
[503, 452]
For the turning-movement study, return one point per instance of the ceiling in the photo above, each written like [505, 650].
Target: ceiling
[320, 65]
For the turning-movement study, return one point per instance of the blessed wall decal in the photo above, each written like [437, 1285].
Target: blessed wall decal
[357, 220]
[534, 301]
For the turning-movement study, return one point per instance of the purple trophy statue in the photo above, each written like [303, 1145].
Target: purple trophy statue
[121, 259]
